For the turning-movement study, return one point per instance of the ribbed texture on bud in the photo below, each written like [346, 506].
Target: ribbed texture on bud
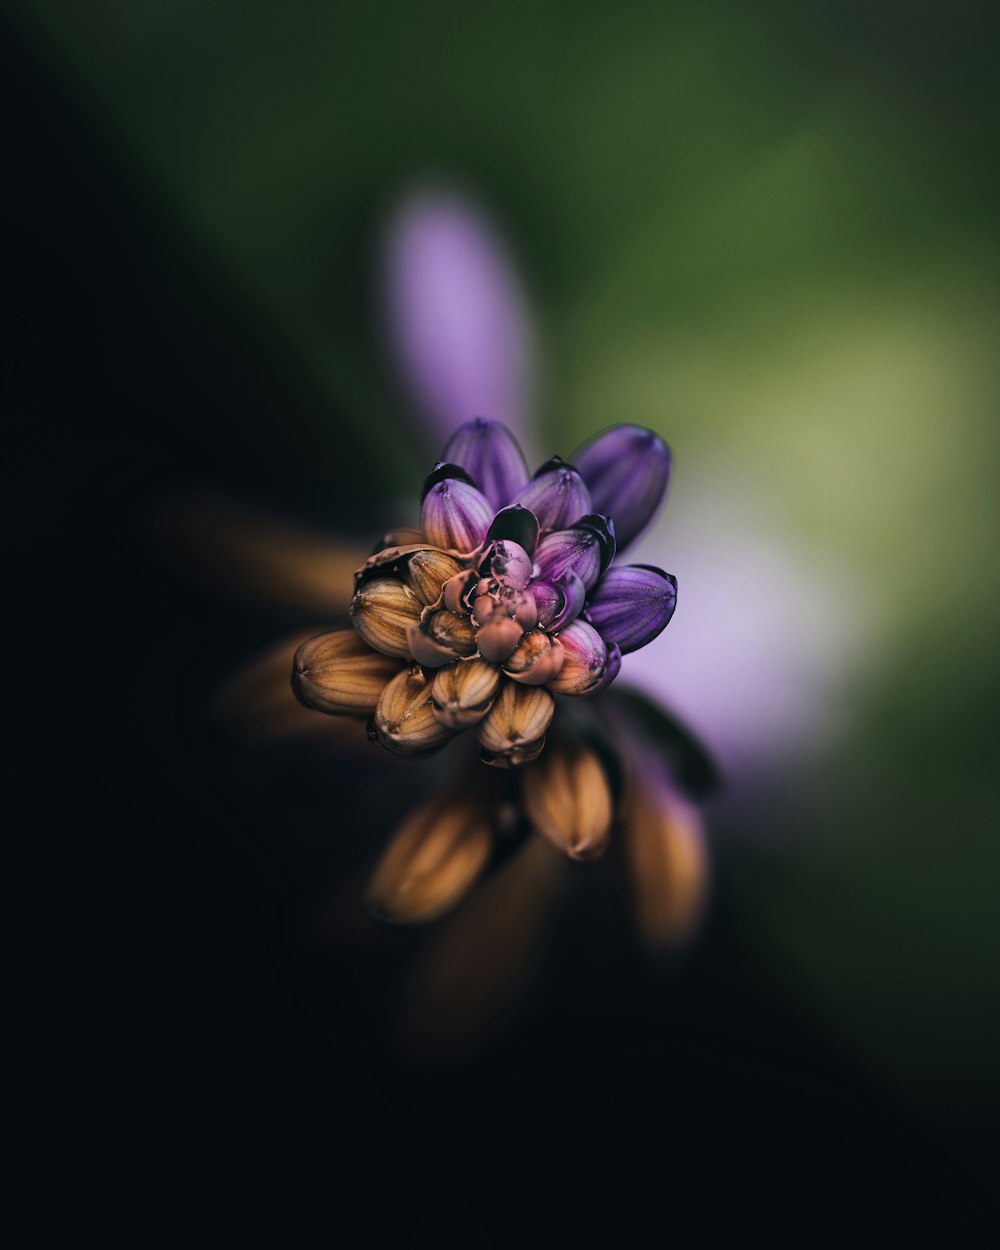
[427, 571]
[404, 720]
[455, 515]
[513, 731]
[434, 857]
[585, 662]
[626, 470]
[568, 799]
[338, 673]
[556, 495]
[632, 605]
[535, 660]
[463, 693]
[382, 610]
[489, 453]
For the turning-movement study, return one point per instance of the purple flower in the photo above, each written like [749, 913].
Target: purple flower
[516, 576]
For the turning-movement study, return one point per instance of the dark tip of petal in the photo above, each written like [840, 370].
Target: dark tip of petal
[627, 470]
[490, 453]
[585, 549]
[518, 524]
[603, 529]
[442, 472]
[553, 462]
[632, 604]
[559, 602]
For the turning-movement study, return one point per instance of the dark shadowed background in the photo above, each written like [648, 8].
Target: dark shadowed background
[770, 234]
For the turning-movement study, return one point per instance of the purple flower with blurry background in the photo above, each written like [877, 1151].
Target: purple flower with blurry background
[507, 595]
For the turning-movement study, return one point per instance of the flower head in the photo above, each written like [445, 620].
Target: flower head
[507, 595]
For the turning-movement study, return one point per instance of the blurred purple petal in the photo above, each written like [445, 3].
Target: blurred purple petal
[627, 470]
[556, 495]
[489, 453]
[632, 604]
[458, 329]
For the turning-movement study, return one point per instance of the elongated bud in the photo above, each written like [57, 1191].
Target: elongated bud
[585, 662]
[556, 495]
[535, 660]
[463, 693]
[442, 638]
[382, 610]
[667, 859]
[454, 513]
[338, 673]
[490, 455]
[427, 571]
[404, 720]
[627, 470]
[513, 731]
[434, 857]
[585, 549]
[568, 800]
[632, 605]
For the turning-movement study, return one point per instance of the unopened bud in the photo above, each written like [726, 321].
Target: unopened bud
[585, 662]
[340, 674]
[463, 693]
[434, 857]
[427, 571]
[498, 639]
[455, 515]
[442, 639]
[382, 609]
[569, 801]
[513, 731]
[404, 720]
[535, 660]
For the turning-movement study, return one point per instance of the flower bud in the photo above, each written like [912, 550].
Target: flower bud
[498, 638]
[382, 609]
[585, 662]
[627, 470]
[556, 495]
[558, 603]
[585, 549]
[338, 673]
[463, 693]
[454, 514]
[632, 605]
[513, 731]
[433, 858]
[535, 660]
[489, 453]
[404, 720]
[568, 800]
[427, 571]
[508, 562]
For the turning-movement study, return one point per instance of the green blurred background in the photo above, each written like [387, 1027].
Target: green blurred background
[769, 232]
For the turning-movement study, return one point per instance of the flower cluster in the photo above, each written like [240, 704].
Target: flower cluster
[506, 595]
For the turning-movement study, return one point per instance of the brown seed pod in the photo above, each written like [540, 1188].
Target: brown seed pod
[463, 693]
[568, 800]
[404, 720]
[340, 674]
[382, 609]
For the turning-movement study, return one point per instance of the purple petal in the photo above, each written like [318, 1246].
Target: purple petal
[456, 318]
[627, 470]
[559, 603]
[612, 669]
[508, 563]
[585, 662]
[632, 605]
[489, 453]
[556, 495]
[586, 550]
[455, 515]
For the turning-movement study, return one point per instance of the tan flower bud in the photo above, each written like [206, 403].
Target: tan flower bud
[535, 660]
[453, 631]
[404, 720]
[464, 692]
[381, 610]
[434, 857]
[514, 728]
[339, 673]
[569, 801]
[427, 571]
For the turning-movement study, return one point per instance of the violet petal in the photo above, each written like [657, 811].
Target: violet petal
[455, 515]
[585, 661]
[559, 602]
[585, 549]
[626, 470]
[489, 453]
[632, 604]
[556, 495]
[518, 523]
